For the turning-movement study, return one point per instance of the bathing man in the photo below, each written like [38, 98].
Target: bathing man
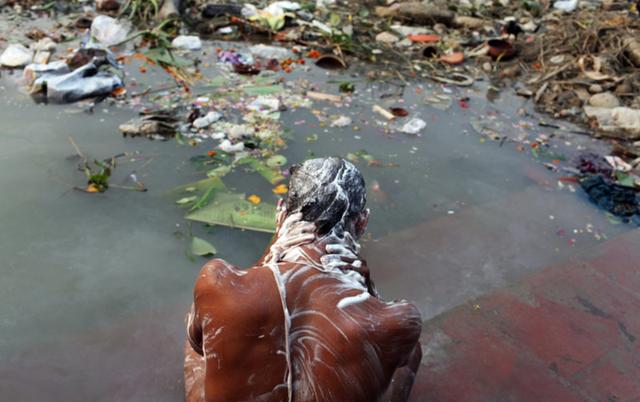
[305, 324]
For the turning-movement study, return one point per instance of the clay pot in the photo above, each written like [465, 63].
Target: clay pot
[331, 62]
[430, 51]
[499, 48]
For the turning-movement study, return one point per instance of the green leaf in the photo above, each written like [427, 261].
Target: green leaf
[334, 20]
[233, 210]
[624, 179]
[204, 200]
[276, 160]
[272, 175]
[186, 200]
[179, 138]
[202, 247]
[217, 82]
[256, 90]
[346, 86]
[165, 57]
[363, 12]
[614, 220]
[275, 22]
[200, 186]
[220, 171]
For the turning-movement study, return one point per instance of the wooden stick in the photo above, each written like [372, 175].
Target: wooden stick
[75, 146]
[384, 112]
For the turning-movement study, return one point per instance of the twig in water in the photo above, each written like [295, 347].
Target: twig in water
[78, 152]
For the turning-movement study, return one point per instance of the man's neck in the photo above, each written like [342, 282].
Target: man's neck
[311, 253]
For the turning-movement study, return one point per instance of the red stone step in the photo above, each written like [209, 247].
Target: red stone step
[441, 263]
[570, 332]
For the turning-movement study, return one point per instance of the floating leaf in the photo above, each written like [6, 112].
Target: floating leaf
[271, 174]
[186, 200]
[347, 86]
[233, 210]
[220, 171]
[276, 160]
[255, 90]
[202, 247]
[204, 200]
[614, 220]
[200, 186]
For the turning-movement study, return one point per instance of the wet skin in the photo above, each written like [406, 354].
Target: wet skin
[303, 325]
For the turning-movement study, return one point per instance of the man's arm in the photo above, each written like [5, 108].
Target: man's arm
[402, 353]
[203, 295]
[403, 379]
[237, 325]
[194, 330]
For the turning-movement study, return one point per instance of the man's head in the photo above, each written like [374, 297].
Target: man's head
[331, 193]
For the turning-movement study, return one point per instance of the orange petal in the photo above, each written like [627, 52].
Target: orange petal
[453, 58]
[425, 38]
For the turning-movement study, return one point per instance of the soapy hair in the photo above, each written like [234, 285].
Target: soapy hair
[328, 191]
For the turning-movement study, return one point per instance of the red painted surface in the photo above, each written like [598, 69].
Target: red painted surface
[570, 332]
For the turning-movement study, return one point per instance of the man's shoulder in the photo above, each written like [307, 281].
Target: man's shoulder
[216, 273]
[402, 320]
[221, 283]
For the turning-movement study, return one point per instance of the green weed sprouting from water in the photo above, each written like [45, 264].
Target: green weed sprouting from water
[140, 11]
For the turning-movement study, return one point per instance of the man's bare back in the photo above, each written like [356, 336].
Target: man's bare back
[301, 326]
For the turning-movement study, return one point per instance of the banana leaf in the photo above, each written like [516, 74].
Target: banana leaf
[272, 175]
[233, 210]
[201, 186]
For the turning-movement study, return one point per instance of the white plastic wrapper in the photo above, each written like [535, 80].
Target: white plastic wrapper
[108, 31]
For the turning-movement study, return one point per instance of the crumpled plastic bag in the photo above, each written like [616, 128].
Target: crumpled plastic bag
[566, 5]
[413, 126]
[108, 31]
[187, 42]
[16, 55]
[270, 52]
[60, 84]
[616, 119]
[272, 16]
[619, 200]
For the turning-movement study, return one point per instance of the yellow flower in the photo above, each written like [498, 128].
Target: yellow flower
[254, 199]
[280, 189]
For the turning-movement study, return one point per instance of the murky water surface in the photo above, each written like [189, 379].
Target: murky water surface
[94, 287]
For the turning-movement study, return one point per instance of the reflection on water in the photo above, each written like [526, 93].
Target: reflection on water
[94, 287]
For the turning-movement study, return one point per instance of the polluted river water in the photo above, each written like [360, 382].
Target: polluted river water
[95, 287]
